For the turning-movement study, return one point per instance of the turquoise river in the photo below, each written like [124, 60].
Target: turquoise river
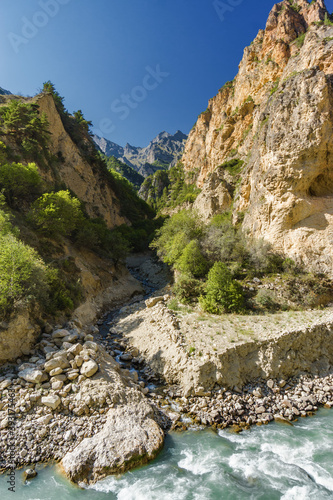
[270, 462]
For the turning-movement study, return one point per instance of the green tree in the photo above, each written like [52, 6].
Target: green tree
[57, 213]
[79, 118]
[176, 234]
[192, 261]
[48, 87]
[20, 181]
[23, 121]
[222, 293]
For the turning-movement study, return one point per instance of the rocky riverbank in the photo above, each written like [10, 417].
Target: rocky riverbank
[99, 399]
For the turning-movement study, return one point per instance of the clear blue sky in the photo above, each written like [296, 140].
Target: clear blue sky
[102, 56]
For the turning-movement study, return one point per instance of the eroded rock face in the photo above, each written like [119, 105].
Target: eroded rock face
[76, 173]
[287, 189]
[130, 437]
[276, 116]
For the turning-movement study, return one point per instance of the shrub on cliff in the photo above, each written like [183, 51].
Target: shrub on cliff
[57, 213]
[23, 274]
[20, 181]
[222, 292]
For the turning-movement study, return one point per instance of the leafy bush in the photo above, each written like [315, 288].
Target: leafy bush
[57, 213]
[266, 299]
[176, 233]
[300, 40]
[262, 258]
[192, 261]
[222, 293]
[23, 274]
[187, 288]
[224, 242]
[20, 181]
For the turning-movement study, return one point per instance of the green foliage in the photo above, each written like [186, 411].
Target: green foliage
[222, 292]
[173, 305]
[95, 235]
[300, 40]
[328, 21]
[115, 165]
[224, 242]
[261, 257]
[234, 167]
[192, 261]
[23, 274]
[57, 213]
[169, 189]
[266, 299]
[175, 234]
[294, 6]
[275, 86]
[187, 288]
[81, 121]
[20, 181]
[227, 85]
[48, 87]
[23, 122]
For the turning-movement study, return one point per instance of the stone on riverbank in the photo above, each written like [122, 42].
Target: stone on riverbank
[89, 368]
[52, 401]
[129, 438]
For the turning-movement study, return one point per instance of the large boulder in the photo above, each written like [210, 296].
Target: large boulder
[129, 438]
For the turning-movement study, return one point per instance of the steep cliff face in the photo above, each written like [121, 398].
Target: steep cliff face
[277, 117]
[76, 172]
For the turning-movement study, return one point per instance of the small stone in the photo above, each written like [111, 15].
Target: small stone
[56, 386]
[282, 420]
[270, 384]
[59, 334]
[75, 349]
[51, 401]
[44, 420]
[4, 384]
[31, 375]
[89, 368]
[91, 345]
[78, 360]
[29, 474]
[56, 371]
[4, 423]
[153, 301]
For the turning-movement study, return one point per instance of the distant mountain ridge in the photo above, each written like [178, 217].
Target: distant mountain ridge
[4, 92]
[161, 153]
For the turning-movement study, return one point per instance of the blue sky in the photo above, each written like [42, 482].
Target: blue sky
[134, 67]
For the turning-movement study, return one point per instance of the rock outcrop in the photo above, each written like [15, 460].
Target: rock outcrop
[76, 172]
[276, 116]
